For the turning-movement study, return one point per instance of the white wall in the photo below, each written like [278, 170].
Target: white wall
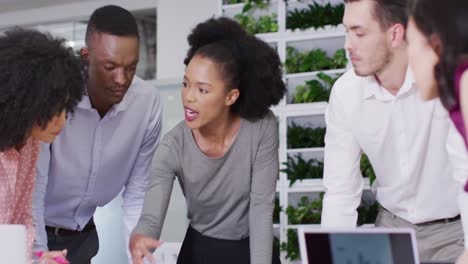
[66, 12]
[175, 20]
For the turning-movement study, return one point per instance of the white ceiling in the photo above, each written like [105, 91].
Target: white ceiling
[17, 5]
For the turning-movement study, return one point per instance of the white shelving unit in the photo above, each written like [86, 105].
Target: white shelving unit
[328, 39]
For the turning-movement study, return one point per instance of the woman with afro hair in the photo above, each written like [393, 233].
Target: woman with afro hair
[40, 81]
[225, 153]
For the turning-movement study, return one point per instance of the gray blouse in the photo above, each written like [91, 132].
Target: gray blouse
[231, 197]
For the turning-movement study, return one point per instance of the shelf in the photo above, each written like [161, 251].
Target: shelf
[306, 35]
[319, 226]
[271, 37]
[304, 75]
[294, 36]
[309, 34]
[315, 185]
[366, 226]
[241, 5]
[306, 185]
[233, 6]
[309, 154]
[306, 109]
[305, 150]
[304, 225]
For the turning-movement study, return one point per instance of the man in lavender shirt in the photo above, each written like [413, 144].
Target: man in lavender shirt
[107, 144]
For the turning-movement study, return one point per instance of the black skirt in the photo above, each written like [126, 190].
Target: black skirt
[200, 249]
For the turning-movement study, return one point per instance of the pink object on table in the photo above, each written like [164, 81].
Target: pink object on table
[59, 260]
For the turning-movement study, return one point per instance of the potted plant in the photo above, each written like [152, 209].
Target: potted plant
[314, 60]
[317, 90]
[298, 169]
[305, 137]
[315, 16]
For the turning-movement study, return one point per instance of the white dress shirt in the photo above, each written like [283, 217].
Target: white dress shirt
[94, 158]
[414, 148]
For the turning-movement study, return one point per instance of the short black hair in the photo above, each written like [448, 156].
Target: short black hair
[245, 62]
[448, 21]
[389, 12]
[39, 78]
[114, 20]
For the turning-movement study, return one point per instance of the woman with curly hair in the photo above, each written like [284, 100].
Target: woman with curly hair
[40, 81]
[225, 154]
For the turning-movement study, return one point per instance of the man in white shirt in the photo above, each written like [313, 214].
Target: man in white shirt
[412, 145]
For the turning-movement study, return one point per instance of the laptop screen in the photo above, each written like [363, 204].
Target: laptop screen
[359, 247]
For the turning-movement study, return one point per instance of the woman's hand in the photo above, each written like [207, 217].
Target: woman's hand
[463, 259]
[54, 257]
[142, 246]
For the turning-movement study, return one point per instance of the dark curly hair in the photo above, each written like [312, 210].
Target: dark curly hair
[39, 78]
[245, 62]
[448, 20]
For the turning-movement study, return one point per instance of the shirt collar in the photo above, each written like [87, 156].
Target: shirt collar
[374, 90]
[85, 102]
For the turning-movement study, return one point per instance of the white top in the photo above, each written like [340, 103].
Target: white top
[412, 145]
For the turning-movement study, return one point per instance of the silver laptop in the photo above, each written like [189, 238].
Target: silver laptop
[13, 244]
[358, 246]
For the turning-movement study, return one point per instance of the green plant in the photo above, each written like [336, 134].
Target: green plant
[315, 16]
[339, 59]
[311, 91]
[366, 168]
[293, 60]
[315, 90]
[305, 137]
[310, 213]
[264, 24]
[276, 211]
[367, 214]
[299, 169]
[306, 212]
[250, 4]
[267, 23]
[314, 60]
[292, 246]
